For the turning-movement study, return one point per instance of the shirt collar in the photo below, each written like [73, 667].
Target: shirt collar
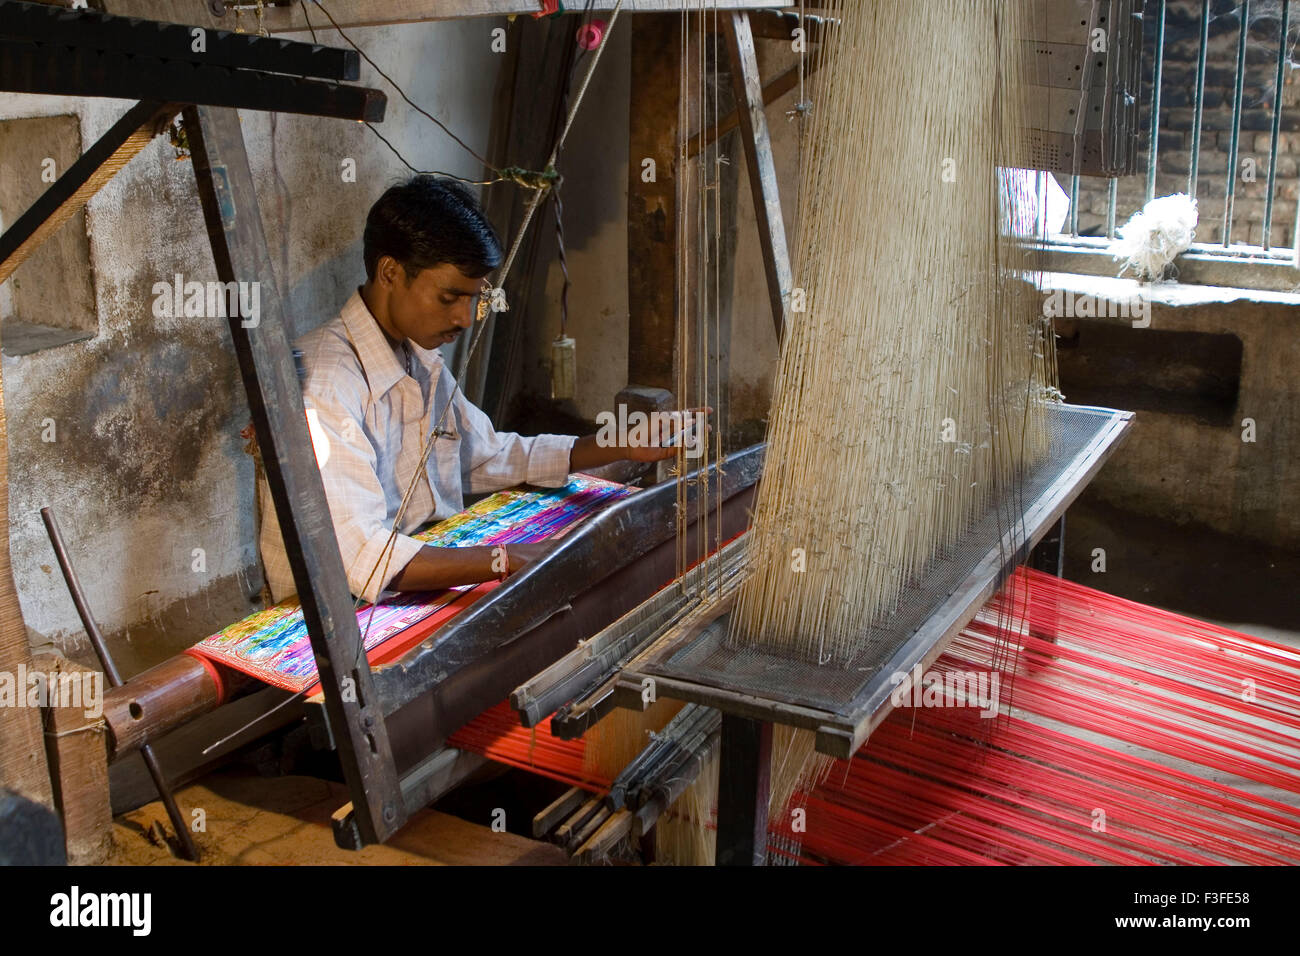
[378, 361]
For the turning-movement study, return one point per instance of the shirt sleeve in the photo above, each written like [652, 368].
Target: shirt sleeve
[492, 460]
[336, 414]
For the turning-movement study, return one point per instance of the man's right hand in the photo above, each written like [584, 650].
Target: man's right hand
[525, 553]
[434, 568]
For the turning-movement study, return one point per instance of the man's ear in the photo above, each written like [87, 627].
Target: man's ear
[387, 270]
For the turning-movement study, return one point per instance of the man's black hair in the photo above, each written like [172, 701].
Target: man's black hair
[426, 221]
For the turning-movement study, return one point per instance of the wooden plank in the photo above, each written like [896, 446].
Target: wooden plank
[22, 758]
[748, 90]
[111, 152]
[225, 184]
[80, 71]
[565, 834]
[652, 277]
[599, 845]
[76, 747]
[354, 13]
[588, 829]
[96, 30]
[558, 809]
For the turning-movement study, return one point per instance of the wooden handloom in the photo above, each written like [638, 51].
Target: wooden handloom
[607, 581]
[254, 73]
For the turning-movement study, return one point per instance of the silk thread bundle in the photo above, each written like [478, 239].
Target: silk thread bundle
[1134, 742]
[910, 394]
[1120, 707]
[912, 388]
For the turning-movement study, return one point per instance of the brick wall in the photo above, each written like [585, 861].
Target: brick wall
[1177, 112]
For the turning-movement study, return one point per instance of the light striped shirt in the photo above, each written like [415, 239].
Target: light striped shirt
[369, 416]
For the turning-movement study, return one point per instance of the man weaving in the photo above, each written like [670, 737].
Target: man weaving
[376, 387]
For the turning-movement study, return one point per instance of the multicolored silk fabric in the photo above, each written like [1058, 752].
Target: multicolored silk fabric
[272, 645]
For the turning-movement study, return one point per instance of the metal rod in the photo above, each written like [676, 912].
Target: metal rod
[1200, 98]
[1231, 185]
[1074, 205]
[1153, 148]
[1110, 209]
[1277, 123]
[190, 851]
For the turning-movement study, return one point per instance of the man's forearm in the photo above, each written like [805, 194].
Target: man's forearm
[586, 453]
[433, 569]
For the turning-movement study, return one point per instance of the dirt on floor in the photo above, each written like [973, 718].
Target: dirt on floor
[240, 818]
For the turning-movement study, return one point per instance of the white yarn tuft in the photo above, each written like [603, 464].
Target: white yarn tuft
[1157, 234]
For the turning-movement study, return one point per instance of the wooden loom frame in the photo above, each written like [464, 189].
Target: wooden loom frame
[88, 44]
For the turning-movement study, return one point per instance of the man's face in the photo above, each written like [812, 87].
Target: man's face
[433, 308]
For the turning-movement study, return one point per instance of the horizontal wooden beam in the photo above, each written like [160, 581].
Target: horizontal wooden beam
[170, 41]
[363, 13]
[52, 68]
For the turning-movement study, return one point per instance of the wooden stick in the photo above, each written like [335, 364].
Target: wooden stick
[599, 845]
[782, 85]
[559, 808]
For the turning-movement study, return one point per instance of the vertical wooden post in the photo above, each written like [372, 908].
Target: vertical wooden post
[748, 90]
[230, 210]
[75, 742]
[22, 758]
[744, 789]
[652, 206]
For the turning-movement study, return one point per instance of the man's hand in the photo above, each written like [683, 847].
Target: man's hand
[668, 431]
[525, 553]
[434, 568]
